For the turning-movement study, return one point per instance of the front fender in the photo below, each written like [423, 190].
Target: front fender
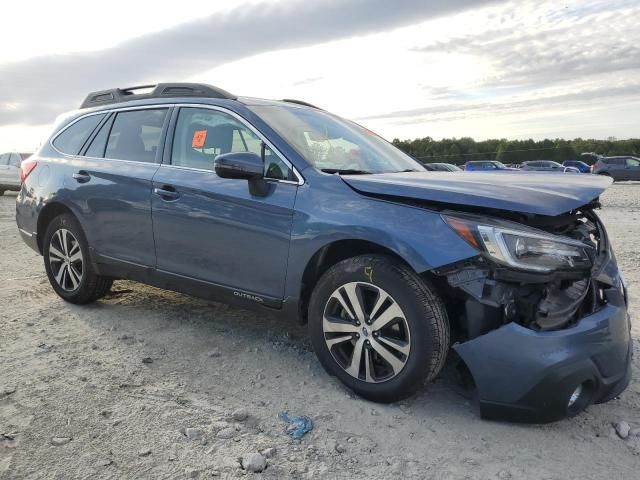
[331, 211]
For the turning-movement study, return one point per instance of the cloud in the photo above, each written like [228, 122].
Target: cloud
[579, 56]
[36, 90]
[464, 110]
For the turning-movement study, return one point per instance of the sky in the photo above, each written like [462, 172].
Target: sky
[403, 68]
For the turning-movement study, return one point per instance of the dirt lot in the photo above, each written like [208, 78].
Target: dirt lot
[78, 401]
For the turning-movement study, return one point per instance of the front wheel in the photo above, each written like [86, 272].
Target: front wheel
[378, 326]
[66, 260]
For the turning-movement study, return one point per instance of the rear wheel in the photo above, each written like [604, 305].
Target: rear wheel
[66, 260]
[378, 327]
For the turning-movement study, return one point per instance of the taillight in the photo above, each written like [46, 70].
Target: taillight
[591, 167]
[26, 168]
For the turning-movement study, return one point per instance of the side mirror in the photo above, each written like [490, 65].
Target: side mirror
[239, 165]
[244, 166]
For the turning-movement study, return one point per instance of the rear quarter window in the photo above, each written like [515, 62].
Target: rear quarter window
[72, 138]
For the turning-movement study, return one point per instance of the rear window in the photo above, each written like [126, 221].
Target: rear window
[73, 137]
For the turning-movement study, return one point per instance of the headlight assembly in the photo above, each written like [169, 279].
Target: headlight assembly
[520, 247]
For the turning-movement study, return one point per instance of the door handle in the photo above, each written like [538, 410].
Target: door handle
[81, 176]
[167, 192]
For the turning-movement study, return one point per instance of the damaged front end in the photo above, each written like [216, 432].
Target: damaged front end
[539, 316]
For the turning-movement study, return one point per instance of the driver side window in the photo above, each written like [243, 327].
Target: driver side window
[633, 162]
[202, 134]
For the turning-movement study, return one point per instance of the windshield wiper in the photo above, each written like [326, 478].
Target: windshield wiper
[408, 170]
[345, 171]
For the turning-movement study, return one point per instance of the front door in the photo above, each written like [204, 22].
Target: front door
[632, 170]
[4, 168]
[213, 229]
[13, 170]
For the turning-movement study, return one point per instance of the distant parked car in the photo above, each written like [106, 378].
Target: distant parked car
[547, 166]
[618, 168]
[10, 170]
[442, 167]
[581, 166]
[486, 165]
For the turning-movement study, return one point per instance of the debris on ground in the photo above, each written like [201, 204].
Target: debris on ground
[59, 441]
[622, 429]
[193, 433]
[297, 426]
[254, 462]
[240, 415]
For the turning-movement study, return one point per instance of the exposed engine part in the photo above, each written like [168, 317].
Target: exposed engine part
[492, 295]
[558, 304]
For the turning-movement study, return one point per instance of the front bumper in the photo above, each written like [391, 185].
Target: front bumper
[528, 376]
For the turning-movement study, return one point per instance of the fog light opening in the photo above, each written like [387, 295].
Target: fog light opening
[580, 397]
[575, 396]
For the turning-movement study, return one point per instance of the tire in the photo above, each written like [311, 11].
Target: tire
[69, 268]
[414, 320]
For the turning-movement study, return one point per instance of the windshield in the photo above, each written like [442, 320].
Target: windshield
[333, 145]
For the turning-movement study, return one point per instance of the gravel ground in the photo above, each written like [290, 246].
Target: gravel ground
[153, 384]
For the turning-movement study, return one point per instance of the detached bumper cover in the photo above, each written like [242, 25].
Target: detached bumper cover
[528, 376]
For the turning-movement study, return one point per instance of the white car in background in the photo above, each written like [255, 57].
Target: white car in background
[10, 170]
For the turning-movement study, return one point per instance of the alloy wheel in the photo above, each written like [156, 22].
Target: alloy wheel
[66, 260]
[366, 332]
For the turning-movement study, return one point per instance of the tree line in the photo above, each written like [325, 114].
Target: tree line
[461, 150]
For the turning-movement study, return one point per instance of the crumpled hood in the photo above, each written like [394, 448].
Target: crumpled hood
[526, 192]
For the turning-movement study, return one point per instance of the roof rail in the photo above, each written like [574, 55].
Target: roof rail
[161, 90]
[300, 102]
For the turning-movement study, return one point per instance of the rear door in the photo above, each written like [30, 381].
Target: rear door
[617, 167]
[213, 229]
[109, 182]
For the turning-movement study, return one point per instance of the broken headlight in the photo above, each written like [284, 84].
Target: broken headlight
[521, 247]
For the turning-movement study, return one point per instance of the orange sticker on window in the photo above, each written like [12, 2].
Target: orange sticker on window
[199, 137]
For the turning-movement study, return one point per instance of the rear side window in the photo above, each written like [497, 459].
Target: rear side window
[135, 135]
[72, 138]
[4, 159]
[99, 142]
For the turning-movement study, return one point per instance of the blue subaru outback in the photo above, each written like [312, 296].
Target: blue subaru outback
[284, 207]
